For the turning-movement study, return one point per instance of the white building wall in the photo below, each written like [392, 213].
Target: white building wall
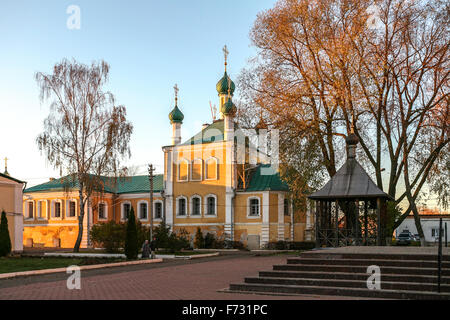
[428, 223]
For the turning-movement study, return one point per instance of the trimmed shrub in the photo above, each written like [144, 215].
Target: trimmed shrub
[131, 240]
[5, 240]
[162, 234]
[291, 245]
[110, 235]
[199, 241]
[209, 241]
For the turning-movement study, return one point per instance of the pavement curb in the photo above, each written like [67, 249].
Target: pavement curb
[88, 267]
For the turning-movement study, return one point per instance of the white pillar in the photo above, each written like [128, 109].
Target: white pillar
[176, 133]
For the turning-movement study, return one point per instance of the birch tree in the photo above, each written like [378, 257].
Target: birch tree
[86, 134]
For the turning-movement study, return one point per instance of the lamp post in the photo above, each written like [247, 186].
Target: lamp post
[150, 177]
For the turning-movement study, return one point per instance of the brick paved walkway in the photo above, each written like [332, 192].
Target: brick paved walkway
[184, 281]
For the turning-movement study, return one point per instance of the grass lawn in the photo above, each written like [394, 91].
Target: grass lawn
[17, 264]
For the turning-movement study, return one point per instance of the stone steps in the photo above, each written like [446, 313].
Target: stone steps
[403, 276]
[352, 276]
[336, 291]
[369, 262]
[385, 285]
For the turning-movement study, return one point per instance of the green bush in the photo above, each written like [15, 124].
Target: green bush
[162, 234]
[178, 242]
[199, 241]
[209, 241]
[110, 235]
[131, 240]
[5, 240]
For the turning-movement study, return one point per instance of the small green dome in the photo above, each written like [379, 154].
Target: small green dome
[222, 85]
[176, 116]
[228, 107]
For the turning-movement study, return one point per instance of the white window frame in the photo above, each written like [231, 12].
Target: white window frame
[206, 206]
[68, 208]
[40, 213]
[187, 172]
[191, 206]
[178, 209]
[217, 168]
[106, 211]
[52, 209]
[201, 169]
[154, 210]
[249, 199]
[139, 210]
[122, 210]
[27, 210]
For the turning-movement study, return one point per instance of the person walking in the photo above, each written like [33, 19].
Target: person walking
[146, 250]
[153, 247]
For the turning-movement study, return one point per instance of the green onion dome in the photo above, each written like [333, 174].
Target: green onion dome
[176, 116]
[222, 85]
[228, 108]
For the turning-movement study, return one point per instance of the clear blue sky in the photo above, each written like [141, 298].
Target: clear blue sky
[150, 45]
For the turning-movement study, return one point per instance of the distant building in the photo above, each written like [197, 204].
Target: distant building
[202, 186]
[11, 203]
[429, 219]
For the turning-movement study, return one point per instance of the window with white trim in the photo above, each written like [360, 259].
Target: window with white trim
[253, 207]
[158, 210]
[196, 203]
[102, 214]
[126, 209]
[181, 206]
[71, 209]
[30, 210]
[56, 212]
[143, 210]
[211, 204]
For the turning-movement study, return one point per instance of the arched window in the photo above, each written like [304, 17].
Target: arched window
[211, 205]
[211, 169]
[143, 210]
[196, 170]
[181, 206]
[253, 207]
[183, 170]
[126, 209]
[102, 211]
[196, 203]
[158, 210]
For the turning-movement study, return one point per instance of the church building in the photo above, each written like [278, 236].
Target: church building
[203, 185]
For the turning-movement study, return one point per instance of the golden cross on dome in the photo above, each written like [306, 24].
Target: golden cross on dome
[175, 88]
[225, 54]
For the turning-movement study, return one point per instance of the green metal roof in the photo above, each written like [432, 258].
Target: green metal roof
[264, 178]
[228, 107]
[176, 116]
[134, 184]
[212, 133]
[222, 85]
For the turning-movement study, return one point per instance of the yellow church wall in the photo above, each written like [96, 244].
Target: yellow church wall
[241, 204]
